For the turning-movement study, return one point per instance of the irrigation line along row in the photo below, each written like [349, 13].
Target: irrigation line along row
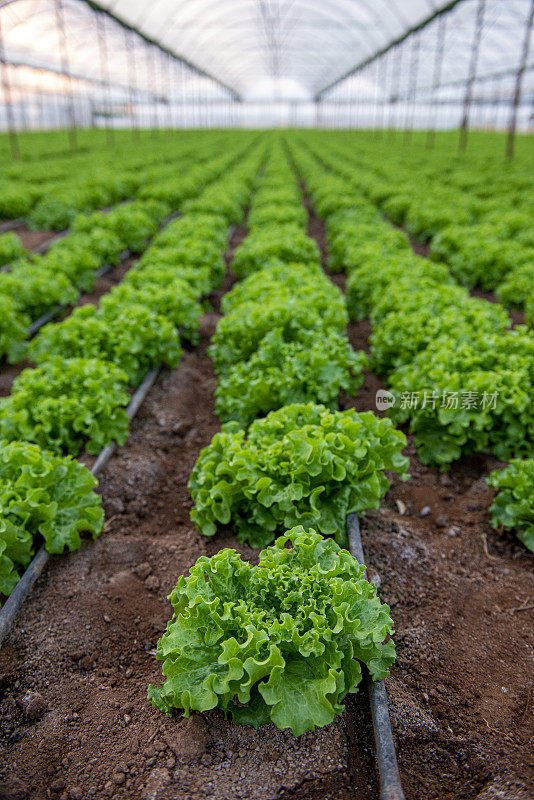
[386, 757]
[9, 224]
[23, 588]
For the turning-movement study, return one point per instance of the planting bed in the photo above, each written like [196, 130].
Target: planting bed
[460, 704]
[74, 719]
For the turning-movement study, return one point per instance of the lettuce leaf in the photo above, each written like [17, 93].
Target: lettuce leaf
[134, 339]
[280, 373]
[513, 506]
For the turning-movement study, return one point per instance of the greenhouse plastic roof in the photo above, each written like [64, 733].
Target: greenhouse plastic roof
[266, 49]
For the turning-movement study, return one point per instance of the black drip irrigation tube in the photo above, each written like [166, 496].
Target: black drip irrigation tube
[11, 607]
[386, 757]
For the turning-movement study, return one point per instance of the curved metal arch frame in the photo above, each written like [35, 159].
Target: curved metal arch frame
[82, 26]
[212, 11]
[98, 7]
[496, 38]
[348, 18]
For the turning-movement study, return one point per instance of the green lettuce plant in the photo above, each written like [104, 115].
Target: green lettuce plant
[478, 396]
[301, 464]
[516, 288]
[134, 339]
[197, 253]
[473, 264]
[306, 280]
[282, 641]
[42, 495]
[10, 247]
[354, 245]
[199, 279]
[277, 213]
[314, 368]
[240, 332]
[15, 200]
[372, 285]
[513, 506]
[36, 289]
[66, 404]
[175, 301]
[77, 263]
[274, 242]
[13, 330]
[425, 315]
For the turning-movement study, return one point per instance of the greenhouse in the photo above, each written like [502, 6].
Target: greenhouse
[266, 399]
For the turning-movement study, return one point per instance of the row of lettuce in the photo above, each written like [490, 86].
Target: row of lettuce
[457, 372]
[35, 286]
[49, 194]
[75, 397]
[285, 639]
[476, 215]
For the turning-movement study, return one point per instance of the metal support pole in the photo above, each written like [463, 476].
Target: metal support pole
[475, 48]
[174, 94]
[62, 35]
[129, 41]
[153, 83]
[412, 90]
[170, 64]
[518, 82]
[376, 97]
[8, 100]
[104, 73]
[397, 71]
[436, 79]
[382, 75]
[357, 104]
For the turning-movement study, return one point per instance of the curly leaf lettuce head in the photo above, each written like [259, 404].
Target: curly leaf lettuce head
[240, 332]
[66, 403]
[42, 494]
[282, 641]
[135, 339]
[497, 368]
[300, 465]
[280, 373]
[513, 507]
[13, 330]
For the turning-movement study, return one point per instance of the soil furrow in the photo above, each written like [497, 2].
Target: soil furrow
[457, 692]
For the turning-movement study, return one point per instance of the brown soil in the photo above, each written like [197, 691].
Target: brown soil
[31, 240]
[85, 641]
